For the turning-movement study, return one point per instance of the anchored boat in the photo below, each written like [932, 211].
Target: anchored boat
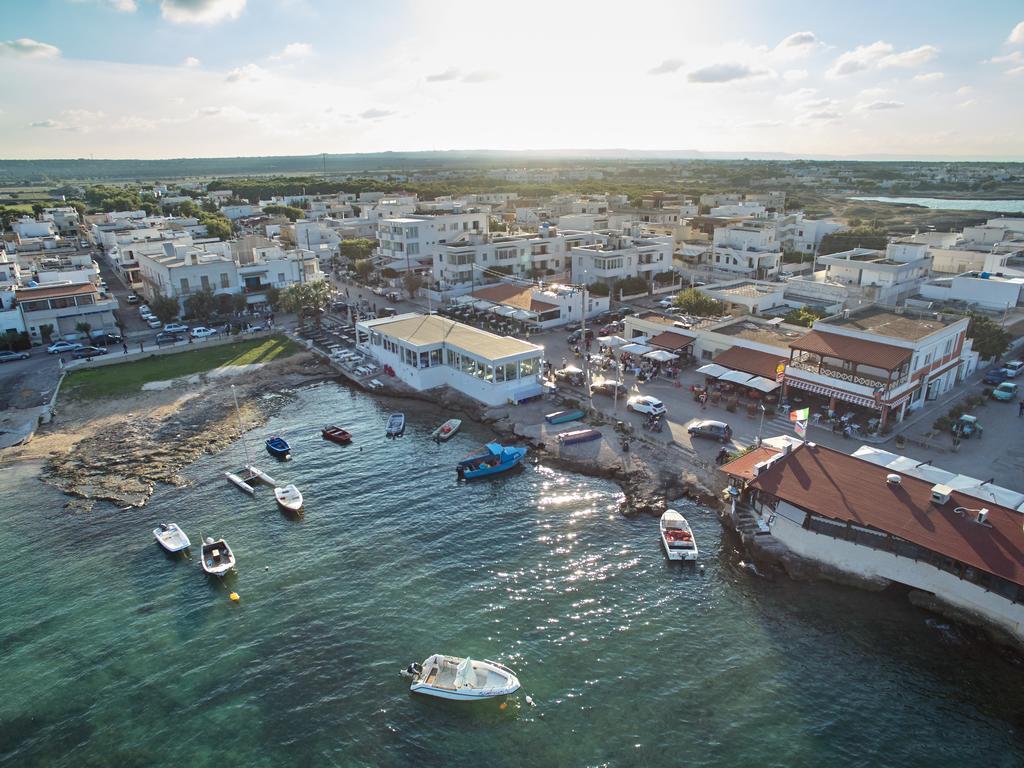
[250, 473]
[217, 557]
[451, 677]
[396, 425]
[171, 537]
[289, 498]
[278, 447]
[495, 458]
[447, 430]
[677, 537]
[336, 435]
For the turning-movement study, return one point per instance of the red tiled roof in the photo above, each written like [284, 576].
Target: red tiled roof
[862, 351]
[672, 341]
[744, 465]
[750, 361]
[842, 487]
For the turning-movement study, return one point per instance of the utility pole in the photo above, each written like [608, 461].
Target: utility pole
[583, 341]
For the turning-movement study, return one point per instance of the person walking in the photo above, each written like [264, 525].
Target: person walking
[1020, 408]
[124, 346]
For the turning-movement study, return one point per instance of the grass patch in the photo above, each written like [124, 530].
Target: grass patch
[128, 378]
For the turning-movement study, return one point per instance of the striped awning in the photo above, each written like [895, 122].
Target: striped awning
[849, 397]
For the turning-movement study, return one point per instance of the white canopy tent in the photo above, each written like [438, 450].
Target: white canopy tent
[714, 370]
[636, 349]
[612, 341]
[661, 356]
[505, 311]
[460, 300]
[640, 339]
[761, 384]
[522, 314]
[482, 305]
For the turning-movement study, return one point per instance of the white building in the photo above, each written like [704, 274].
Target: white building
[737, 210]
[26, 226]
[545, 306]
[414, 242]
[429, 351]
[747, 248]
[794, 233]
[984, 290]
[885, 277]
[621, 254]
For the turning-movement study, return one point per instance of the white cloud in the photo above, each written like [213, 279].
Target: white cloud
[191, 61]
[820, 103]
[1017, 35]
[1010, 58]
[799, 44]
[441, 77]
[29, 48]
[880, 105]
[245, 72]
[479, 77]
[964, 90]
[725, 73]
[46, 124]
[880, 55]
[929, 77]
[201, 11]
[294, 51]
[1015, 71]
[377, 114]
[795, 75]
[824, 116]
[667, 67]
[125, 6]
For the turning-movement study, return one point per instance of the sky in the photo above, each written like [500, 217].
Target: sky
[212, 78]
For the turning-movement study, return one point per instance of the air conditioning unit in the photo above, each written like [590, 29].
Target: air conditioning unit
[940, 494]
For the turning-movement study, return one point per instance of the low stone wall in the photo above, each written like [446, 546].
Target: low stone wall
[114, 357]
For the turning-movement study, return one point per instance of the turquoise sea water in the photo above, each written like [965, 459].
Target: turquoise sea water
[112, 653]
[945, 204]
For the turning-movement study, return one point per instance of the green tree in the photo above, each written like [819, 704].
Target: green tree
[598, 289]
[990, 339]
[359, 248]
[273, 295]
[37, 209]
[217, 225]
[363, 268]
[201, 306]
[413, 283]
[239, 303]
[693, 302]
[46, 332]
[164, 307]
[630, 286]
[388, 273]
[83, 328]
[293, 213]
[804, 316]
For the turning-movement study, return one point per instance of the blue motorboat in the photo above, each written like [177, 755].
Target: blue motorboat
[493, 459]
[278, 448]
[561, 417]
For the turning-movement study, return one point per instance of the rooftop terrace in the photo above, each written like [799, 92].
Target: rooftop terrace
[763, 333]
[898, 323]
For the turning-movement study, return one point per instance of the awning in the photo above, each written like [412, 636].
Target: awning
[462, 300]
[640, 339]
[612, 341]
[761, 384]
[661, 356]
[483, 306]
[714, 370]
[736, 377]
[635, 349]
[505, 311]
[522, 314]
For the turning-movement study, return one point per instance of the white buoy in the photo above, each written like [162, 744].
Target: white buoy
[530, 701]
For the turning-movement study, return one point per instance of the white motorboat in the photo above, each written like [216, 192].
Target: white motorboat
[451, 677]
[289, 498]
[677, 537]
[171, 537]
[447, 430]
[396, 425]
[217, 557]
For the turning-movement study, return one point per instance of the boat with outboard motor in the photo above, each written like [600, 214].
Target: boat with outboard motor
[336, 435]
[458, 679]
[447, 430]
[396, 425]
[493, 459]
[217, 557]
[278, 447]
[171, 537]
[289, 498]
[677, 537]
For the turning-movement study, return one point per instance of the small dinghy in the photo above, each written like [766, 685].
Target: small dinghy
[494, 458]
[677, 537]
[396, 425]
[450, 677]
[171, 537]
[278, 448]
[289, 498]
[447, 430]
[578, 436]
[217, 557]
[336, 435]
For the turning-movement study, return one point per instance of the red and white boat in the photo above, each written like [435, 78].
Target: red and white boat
[336, 435]
[447, 430]
[677, 537]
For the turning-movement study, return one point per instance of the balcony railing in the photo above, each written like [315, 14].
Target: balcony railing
[811, 364]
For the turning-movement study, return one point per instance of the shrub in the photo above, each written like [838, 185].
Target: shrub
[731, 404]
[986, 392]
[598, 289]
[942, 424]
[694, 302]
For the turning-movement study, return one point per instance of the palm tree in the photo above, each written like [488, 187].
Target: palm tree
[318, 296]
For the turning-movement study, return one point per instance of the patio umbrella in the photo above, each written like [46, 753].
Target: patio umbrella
[612, 341]
[661, 356]
[636, 349]
[714, 370]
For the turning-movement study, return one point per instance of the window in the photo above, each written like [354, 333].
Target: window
[184, 285]
[413, 249]
[280, 277]
[435, 357]
[949, 347]
[224, 281]
[424, 359]
[511, 371]
[205, 282]
[528, 367]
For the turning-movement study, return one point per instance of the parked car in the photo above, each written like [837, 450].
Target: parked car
[1014, 368]
[995, 376]
[577, 336]
[611, 329]
[715, 430]
[176, 328]
[666, 303]
[7, 356]
[60, 347]
[153, 322]
[1005, 391]
[645, 404]
[167, 338]
[81, 352]
[101, 338]
[608, 387]
[570, 375]
[145, 310]
[133, 298]
[202, 332]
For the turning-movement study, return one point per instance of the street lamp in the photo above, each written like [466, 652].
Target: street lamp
[760, 429]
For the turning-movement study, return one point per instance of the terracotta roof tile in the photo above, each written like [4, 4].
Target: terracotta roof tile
[53, 292]
[750, 361]
[846, 488]
[744, 465]
[672, 341]
[873, 353]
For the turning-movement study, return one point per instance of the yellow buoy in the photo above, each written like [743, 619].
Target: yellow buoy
[234, 597]
[503, 705]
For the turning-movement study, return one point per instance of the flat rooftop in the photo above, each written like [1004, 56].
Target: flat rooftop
[746, 288]
[746, 328]
[907, 324]
[425, 330]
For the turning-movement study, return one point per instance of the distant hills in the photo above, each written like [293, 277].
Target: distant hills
[396, 162]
